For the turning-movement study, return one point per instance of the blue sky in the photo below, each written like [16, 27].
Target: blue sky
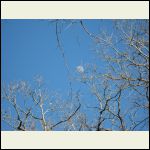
[29, 48]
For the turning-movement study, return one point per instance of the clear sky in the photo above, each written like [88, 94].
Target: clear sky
[29, 48]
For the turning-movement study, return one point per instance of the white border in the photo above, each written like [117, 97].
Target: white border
[75, 10]
[75, 139]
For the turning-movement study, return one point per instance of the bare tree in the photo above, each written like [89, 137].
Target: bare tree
[126, 56]
[119, 88]
[32, 108]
